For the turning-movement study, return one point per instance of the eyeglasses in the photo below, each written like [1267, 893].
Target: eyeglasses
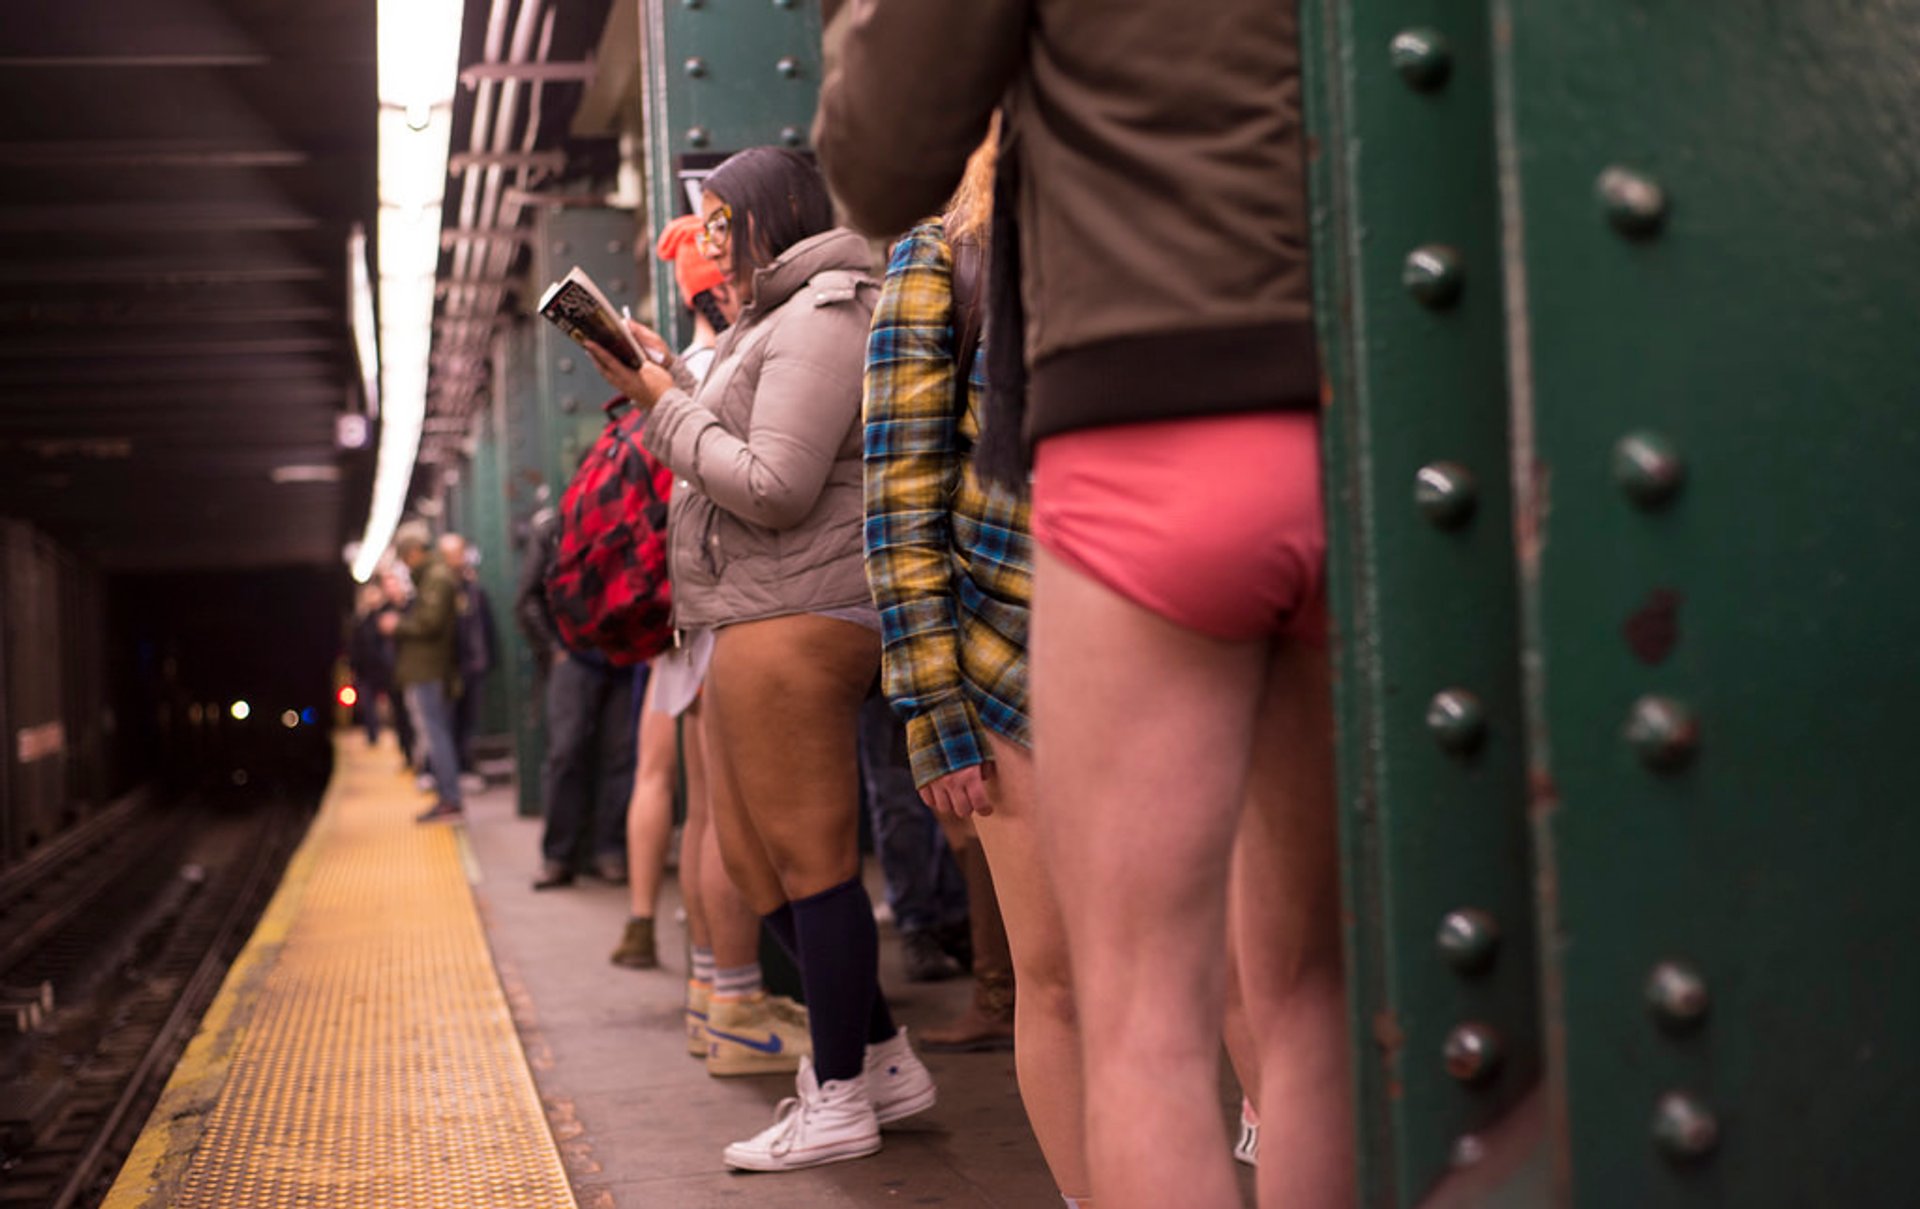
[714, 232]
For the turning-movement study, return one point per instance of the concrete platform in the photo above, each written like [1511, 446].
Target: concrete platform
[641, 1125]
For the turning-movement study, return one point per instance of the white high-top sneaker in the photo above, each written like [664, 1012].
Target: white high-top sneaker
[825, 1123]
[897, 1080]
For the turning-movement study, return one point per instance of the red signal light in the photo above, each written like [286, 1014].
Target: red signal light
[348, 695]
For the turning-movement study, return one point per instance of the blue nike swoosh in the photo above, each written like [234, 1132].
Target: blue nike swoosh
[771, 1045]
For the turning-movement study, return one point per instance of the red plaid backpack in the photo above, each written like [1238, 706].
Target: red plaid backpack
[607, 588]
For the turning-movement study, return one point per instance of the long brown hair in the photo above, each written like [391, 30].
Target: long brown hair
[970, 211]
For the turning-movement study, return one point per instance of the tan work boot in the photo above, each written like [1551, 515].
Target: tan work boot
[636, 950]
[987, 1021]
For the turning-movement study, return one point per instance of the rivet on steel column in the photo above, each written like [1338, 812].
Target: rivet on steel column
[1457, 720]
[1468, 938]
[788, 67]
[790, 136]
[1663, 732]
[1422, 57]
[696, 68]
[1473, 1052]
[1633, 202]
[1648, 468]
[1683, 1127]
[697, 136]
[1445, 493]
[1434, 275]
[1677, 994]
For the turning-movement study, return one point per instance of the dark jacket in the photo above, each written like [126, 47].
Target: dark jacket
[423, 642]
[530, 600]
[370, 654]
[1159, 186]
[473, 633]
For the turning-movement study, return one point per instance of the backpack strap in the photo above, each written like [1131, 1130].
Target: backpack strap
[968, 316]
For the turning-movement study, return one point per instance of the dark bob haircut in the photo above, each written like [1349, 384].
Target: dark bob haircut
[778, 199]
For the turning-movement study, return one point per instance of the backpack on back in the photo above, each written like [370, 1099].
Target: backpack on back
[607, 589]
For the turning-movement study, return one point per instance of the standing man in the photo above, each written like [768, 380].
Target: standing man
[473, 648]
[591, 738]
[423, 665]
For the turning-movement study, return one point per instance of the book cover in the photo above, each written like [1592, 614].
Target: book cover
[575, 305]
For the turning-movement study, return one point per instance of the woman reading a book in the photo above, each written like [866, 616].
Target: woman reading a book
[766, 550]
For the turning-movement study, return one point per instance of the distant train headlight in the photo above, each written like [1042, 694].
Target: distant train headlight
[348, 695]
[290, 719]
[240, 710]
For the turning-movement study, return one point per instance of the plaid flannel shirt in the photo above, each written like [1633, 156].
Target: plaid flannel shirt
[948, 557]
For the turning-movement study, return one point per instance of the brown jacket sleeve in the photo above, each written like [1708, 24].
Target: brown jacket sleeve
[909, 100]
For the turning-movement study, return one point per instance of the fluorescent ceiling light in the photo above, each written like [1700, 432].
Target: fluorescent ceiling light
[418, 68]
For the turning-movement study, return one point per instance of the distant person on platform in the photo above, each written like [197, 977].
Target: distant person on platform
[591, 749]
[473, 649]
[424, 667]
[369, 659]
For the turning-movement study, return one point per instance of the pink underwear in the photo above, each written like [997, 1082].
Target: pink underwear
[1215, 524]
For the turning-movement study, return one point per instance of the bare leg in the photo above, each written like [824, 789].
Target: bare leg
[730, 850]
[650, 809]
[1287, 891]
[693, 835]
[786, 696]
[1045, 1024]
[1142, 733]
[1241, 1051]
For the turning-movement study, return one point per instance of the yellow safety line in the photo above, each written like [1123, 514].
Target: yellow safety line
[361, 1052]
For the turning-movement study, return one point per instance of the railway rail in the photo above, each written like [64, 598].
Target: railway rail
[120, 940]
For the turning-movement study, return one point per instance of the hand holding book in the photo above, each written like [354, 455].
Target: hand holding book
[643, 385]
[575, 305]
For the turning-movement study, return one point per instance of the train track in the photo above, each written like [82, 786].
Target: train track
[144, 941]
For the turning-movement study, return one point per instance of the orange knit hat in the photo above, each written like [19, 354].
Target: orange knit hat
[691, 268]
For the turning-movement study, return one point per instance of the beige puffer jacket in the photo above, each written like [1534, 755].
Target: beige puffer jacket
[766, 518]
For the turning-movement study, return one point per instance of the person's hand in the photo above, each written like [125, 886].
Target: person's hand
[644, 385]
[651, 341]
[388, 623]
[962, 794]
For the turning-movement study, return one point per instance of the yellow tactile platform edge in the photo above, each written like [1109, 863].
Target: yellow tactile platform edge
[361, 1052]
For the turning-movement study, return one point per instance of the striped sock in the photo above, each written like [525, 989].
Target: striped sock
[738, 982]
[702, 964]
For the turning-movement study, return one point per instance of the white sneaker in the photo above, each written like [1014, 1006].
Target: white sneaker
[1247, 1150]
[425, 783]
[825, 1123]
[897, 1080]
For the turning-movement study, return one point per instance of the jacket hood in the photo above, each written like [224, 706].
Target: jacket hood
[835, 249]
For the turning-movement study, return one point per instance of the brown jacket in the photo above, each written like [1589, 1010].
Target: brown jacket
[1161, 193]
[770, 445]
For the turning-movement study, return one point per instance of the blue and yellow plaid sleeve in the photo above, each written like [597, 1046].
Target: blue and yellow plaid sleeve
[914, 463]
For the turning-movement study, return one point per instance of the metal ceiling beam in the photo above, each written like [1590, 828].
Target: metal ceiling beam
[125, 273]
[460, 161]
[541, 73]
[202, 60]
[148, 153]
[115, 217]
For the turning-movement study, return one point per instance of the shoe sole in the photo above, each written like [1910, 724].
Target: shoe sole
[650, 962]
[838, 1153]
[900, 1110]
[755, 1066]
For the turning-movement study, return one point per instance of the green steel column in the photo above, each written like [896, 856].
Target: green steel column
[1439, 902]
[600, 241]
[489, 535]
[526, 486]
[1717, 243]
[721, 77]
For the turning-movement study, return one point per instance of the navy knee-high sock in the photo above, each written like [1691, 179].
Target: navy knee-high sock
[839, 958]
[880, 1025]
[780, 923]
